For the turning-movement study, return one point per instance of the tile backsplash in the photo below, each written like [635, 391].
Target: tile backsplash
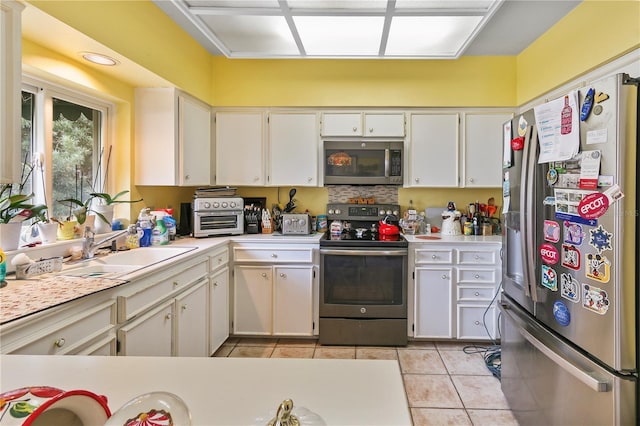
[383, 194]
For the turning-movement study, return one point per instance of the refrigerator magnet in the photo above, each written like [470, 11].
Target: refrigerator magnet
[595, 299]
[587, 104]
[601, 97]
[598, 267]
[593, 206]
[600, 239]
[551, 231]
[549, 278]
[549, 254]
[573, 233]
[561, 313]
[569, 288]
[552, 176]
[570, 257]
[522, 126]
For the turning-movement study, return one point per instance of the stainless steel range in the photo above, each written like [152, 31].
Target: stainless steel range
[363, 279]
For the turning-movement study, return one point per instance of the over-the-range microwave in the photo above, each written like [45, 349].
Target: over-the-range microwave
[363, 162]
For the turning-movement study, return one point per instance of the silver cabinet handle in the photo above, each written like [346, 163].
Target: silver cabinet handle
[476, 322]
[215, 284]
[477, 293]
[471, 180]
[187, 177]
[274, 255]
[477, 276]
[371, 130]
[355, 129]
[417, 180]
[167, 317]
[282, 275]
[433, 256]
[264, 275]
[184, 307]
[444, 277]
[176, 283]
[60, 342]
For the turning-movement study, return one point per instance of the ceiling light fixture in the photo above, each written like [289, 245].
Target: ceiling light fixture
[100, 59]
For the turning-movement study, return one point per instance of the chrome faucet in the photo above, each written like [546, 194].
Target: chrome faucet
[89, 246]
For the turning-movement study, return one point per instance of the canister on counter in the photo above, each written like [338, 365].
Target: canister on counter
[322, 223]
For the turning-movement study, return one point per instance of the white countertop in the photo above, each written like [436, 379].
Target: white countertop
[228, 391]
[453, 239]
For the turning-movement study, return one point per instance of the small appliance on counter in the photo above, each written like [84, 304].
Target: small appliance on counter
[296, 224]
[217, 216]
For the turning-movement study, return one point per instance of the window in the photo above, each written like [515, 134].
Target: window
[63, 139]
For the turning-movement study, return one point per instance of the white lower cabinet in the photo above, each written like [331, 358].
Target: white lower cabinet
[273, 290]
[455, 290]
[190, 314]
[218, 309]
[149, 335]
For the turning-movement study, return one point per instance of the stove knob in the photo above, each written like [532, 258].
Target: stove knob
[388, 211]
[206, 204]
[382, 213]
[224, 204]
[215, 204]
[395, 213]
[338, 211]
[330, 211]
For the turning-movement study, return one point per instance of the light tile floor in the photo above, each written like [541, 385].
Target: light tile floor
[444, 385]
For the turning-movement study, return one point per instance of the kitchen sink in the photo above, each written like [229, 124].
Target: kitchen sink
[143, 256]
[99, 271]
[124, 262]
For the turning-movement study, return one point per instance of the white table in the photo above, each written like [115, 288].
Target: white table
[228, 391]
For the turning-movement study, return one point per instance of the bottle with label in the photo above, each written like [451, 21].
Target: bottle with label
[565, 118]
[336, 229]
[170, 224]
[159, 235]
[133, 237]
[145, 223]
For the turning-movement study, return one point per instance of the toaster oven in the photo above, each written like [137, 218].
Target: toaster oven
[217, 216]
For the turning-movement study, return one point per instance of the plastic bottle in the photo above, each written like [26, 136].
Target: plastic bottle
[170, 224]
[133, 237]
[159, 235]
[145, 224]
[3, 268]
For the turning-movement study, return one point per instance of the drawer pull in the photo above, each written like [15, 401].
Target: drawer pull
[283, 275]
[60, 342]
[274, 255]
[167, 317]
[476, 257]
[477, 293]
[355, 129]
[176, 283]
[433, 256]
[264, 275]
[215, 284]
[219, 260]
[477, 322]
[477, 276]
[444, 277]
[184, 307]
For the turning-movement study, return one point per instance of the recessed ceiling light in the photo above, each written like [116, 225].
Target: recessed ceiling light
[99, 59]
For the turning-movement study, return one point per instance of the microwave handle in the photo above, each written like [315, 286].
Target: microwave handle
[387, 162]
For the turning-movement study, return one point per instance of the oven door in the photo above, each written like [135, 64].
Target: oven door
[363, 283]
[214, 223]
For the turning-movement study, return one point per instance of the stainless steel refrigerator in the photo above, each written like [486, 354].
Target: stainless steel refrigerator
[569, 302]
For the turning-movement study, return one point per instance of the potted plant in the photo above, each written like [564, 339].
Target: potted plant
[14, 209]
[100, 203]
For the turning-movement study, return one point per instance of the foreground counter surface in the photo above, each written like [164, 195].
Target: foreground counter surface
[228, 391]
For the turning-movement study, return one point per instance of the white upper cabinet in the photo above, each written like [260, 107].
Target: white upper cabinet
[433, 150]
[374, 124]
[384, 124]
[293, 149]
[482, 151]
[173, 138]
[240, 158]
[11, 75]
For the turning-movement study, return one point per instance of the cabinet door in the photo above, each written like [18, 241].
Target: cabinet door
[482, 153]
[434, 303]
[342, 124]
[476, 322]
[293, 300]
[191, 321]
[293, 147]
[218, 309]
[150, 335]
[252, 300]
[195, 142]
[391, 124]
[11, 74]
[433, 150]
[239, 148]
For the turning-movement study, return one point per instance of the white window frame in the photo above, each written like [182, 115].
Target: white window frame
[45, 91]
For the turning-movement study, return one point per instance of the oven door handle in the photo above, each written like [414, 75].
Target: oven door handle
[358, 252]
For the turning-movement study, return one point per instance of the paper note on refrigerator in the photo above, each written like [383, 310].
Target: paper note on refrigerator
[558, 128]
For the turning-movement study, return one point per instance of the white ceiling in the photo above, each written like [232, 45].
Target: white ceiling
[365, 28]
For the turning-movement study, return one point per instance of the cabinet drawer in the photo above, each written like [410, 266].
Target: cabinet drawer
[474, 294]
[473, 324]
[434, 256]
[478, 257]
[152, 292]
[477, 276]
[273, 255]
[68, 335]
[218, 259]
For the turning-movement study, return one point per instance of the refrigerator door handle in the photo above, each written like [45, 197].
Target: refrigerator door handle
[584, 376]
[527, 215]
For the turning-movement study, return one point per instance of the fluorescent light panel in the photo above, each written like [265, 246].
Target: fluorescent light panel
[340, 35]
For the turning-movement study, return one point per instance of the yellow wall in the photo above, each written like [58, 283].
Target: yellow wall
[591, 35]
[469, 81]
